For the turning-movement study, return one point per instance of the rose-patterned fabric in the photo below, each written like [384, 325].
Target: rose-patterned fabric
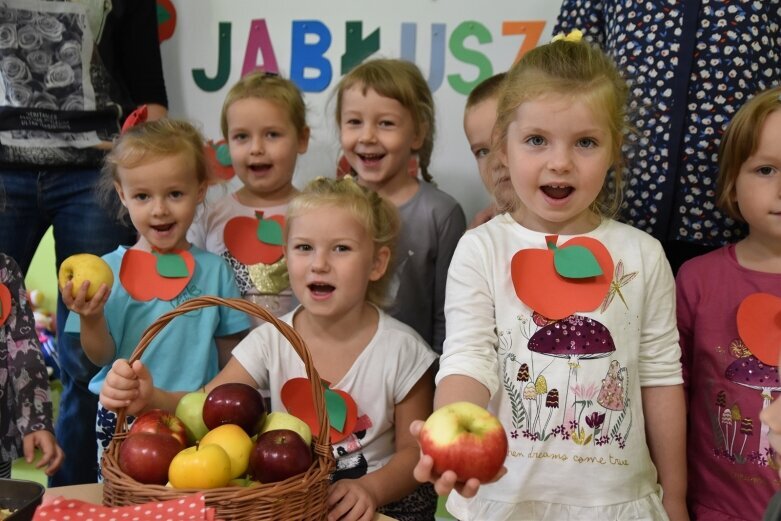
[69, 73]
[25, 405]
[690, 66]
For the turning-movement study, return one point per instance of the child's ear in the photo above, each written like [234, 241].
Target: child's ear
[420, 136]
[303, 140]
[380, 264]
[121, 193]
[202, 187]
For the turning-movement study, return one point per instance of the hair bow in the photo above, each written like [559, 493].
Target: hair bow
[574, 36]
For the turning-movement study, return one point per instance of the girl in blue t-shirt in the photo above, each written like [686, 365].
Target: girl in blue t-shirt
[159, 171]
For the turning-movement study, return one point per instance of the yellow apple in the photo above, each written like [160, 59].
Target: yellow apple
[200, 467]
[85, 267]
[236, 443]
[282, 420]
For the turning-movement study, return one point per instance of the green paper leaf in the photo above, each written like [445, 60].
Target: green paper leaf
[270, 232]
[576, 262]
[162, 15]
[223, 155]
[336, 409]
[171, 265]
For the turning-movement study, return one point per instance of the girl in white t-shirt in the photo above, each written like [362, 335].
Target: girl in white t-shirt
[264, 123]
[339, 241]
[560, 320]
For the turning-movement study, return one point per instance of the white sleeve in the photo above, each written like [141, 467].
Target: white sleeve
[471, 340]
[252, 354]
[660, 353]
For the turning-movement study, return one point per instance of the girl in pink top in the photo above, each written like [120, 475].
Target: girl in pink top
[731, 377]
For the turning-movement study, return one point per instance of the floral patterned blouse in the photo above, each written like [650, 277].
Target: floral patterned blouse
[690, 66]
[25, 405]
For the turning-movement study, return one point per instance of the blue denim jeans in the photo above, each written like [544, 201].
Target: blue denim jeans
[64, 199]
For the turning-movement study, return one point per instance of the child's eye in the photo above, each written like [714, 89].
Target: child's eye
[141, 197]
[481, 152]
[766, 170]
[302, 247]
[238, 137]
[341, 248]
[587, 142]
[353, 121]
[271, 134]
[536, 141]
[386, 123]
[176, 194]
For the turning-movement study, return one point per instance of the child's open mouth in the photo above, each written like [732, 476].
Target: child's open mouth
[557, 192]
[260, 169]
[371, 158]
[321, 290]
[163, 227]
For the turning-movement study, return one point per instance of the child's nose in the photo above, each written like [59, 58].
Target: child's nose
[560, 160]
[368, 134]
[257, 146]
[160, 207]
[320, 261]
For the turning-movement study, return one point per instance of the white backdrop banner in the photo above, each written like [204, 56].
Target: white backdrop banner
[456, 43]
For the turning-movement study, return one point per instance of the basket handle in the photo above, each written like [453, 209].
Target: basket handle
[318, 395]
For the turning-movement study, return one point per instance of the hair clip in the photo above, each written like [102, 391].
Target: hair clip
[136, 117]
[574, 36]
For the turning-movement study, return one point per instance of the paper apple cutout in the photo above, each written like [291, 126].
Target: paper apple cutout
[296, 395]
[539, 285]
[160, 421]
[83, 267]
[219, 160]
[140, 277]
[145, 456]
[166, 20]
[759, 326]
[136, 117]
[255, 240]
[465, 438]
[5, 303]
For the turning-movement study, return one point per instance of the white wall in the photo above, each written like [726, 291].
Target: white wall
[194, 45]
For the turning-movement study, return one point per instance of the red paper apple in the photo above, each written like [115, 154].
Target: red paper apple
[759, 326]
[160, 421]
[218, 160]
[296, 395]
[236, 403]
[278, 455]
[5, 303]
[252, 241]
[145, 456]
[139, 276]
[465, 438]
[544, 290]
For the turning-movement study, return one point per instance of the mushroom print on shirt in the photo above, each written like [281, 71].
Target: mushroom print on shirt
[580, 408]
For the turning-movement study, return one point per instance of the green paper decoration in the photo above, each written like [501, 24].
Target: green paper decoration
[162, 15]
[575, 262]
[269, 231]
[171, 265]
[336, 409]
[223, 155]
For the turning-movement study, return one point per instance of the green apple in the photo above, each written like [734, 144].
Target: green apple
[85, 267]
[282, 420]
[189, 410]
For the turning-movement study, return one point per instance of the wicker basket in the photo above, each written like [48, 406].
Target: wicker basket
[299, 497]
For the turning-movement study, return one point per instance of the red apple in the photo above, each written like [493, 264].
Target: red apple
[465, 438]
[164, 422]
[236, 403]
[278, 455]
[145, 456]
[241, 239]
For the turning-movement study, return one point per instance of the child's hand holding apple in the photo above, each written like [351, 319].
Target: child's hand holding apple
[127, 386]
[449, 440]
[85, 281]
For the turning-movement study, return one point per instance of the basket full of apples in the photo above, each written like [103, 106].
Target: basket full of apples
[250, 464]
